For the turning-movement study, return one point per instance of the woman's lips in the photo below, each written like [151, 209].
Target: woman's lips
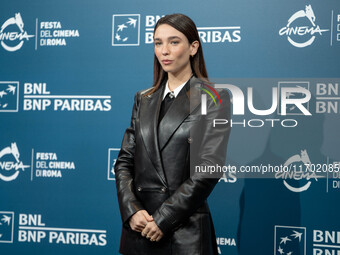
[166, 62]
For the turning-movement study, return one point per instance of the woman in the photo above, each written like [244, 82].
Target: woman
[163, 206]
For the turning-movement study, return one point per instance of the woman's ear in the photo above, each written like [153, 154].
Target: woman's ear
[194, 47]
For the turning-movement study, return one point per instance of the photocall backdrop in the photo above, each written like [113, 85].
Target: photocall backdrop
[68, 74]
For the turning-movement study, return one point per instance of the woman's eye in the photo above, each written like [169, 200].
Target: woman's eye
[174, 42]
[157, 43]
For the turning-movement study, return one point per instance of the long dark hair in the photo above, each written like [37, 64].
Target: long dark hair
[186, 26]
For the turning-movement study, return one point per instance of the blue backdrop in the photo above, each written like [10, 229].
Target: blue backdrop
[68, 74]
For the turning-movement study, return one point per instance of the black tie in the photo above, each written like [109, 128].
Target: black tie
[166, 103]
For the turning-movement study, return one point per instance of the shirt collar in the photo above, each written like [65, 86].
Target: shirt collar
[175, 91]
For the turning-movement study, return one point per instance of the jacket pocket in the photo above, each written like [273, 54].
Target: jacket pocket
[155, 189]
[151, 197]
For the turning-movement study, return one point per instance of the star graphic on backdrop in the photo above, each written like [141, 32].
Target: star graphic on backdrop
[11, 88]
[297, 235]
[132, 22]
[6, 219]
[284, 240]
[121, 27]
[289, 253]
[2, 93]
[289, 94]
[117, 37]
[280, 250]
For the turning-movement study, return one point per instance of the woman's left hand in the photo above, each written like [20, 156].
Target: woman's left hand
[152, 232]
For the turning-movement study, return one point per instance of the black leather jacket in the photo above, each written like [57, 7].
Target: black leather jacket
[153, 170]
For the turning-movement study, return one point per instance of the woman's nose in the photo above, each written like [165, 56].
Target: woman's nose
[165, 49]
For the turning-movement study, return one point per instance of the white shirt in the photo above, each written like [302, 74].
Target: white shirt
[176, 90]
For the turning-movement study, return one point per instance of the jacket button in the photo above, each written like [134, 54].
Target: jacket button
[190, 140]
[139, 189]
[163, 189]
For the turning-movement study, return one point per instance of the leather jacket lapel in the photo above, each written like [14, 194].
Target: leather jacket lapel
[178, 111]
[149, 111]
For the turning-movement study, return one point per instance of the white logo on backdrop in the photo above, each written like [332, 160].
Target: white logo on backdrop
[9, 94]
[112, 157]
[289, 240]
[302, 31]
[295, 90]
[125, 29]
[298, 172]
[6, 227]
[13, 36]
[10, 165]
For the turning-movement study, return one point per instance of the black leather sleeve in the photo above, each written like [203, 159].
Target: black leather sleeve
[193, 192]
[124, 170]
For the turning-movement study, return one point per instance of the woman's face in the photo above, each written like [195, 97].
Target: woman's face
[173, 50]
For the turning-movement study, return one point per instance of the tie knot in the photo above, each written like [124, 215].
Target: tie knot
[171, 95]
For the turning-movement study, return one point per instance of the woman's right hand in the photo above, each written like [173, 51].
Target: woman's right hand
[139, 220]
